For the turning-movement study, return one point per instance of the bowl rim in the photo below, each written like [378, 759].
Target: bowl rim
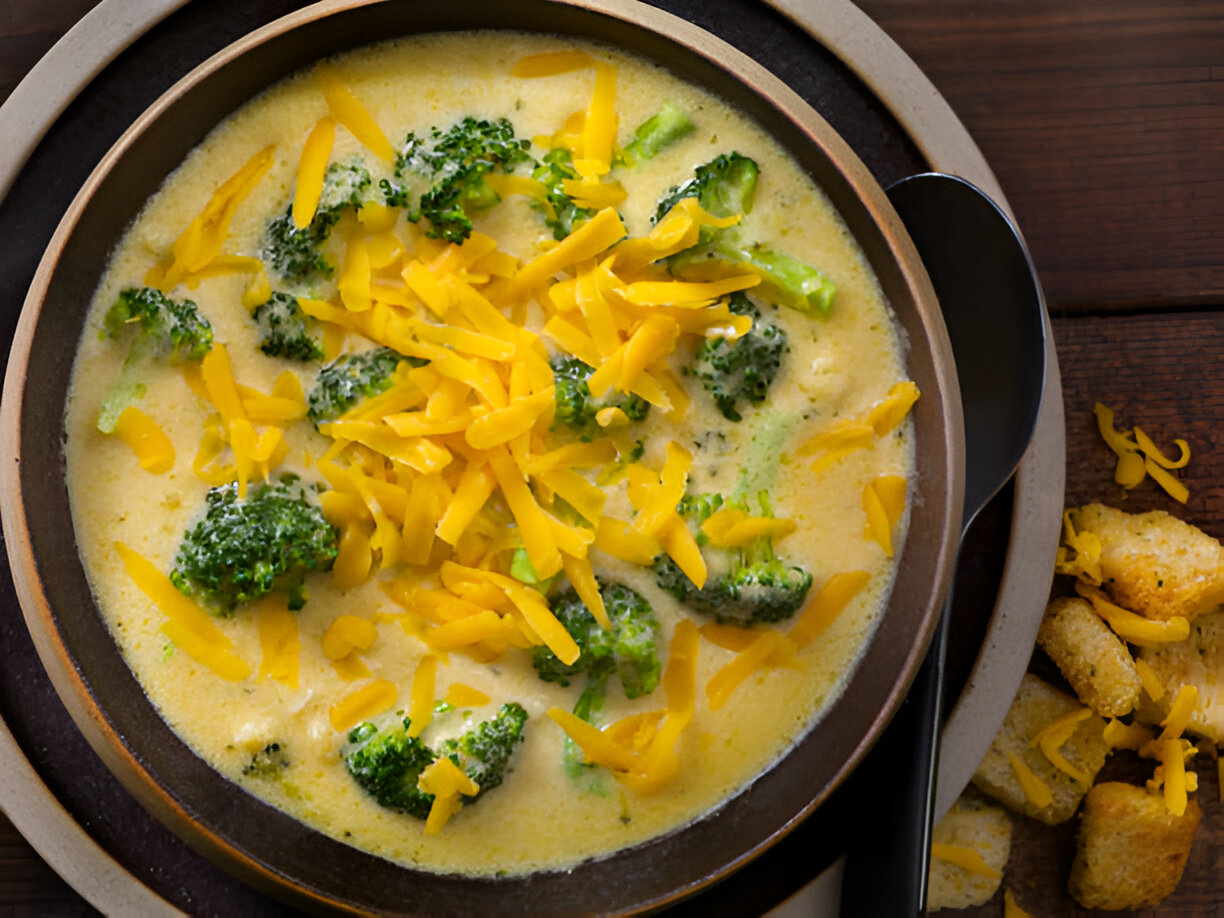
[66, 674]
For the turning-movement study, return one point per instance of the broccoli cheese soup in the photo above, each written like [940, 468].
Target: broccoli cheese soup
[491, 450]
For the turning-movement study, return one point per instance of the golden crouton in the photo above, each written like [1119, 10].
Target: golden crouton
[1022, 775]
[1090, 656]
[1153, 563]
[1197, 661]
[1132, 850]
[969, 849]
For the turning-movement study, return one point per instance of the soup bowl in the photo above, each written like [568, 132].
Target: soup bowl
[263, 845]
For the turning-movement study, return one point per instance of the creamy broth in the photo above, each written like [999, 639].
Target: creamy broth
[837, 368]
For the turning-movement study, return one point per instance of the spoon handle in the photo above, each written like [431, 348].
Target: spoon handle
[887, 861]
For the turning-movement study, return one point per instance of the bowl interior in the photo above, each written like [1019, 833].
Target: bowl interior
[264, 845]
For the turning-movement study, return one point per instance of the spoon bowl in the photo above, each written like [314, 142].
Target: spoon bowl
[994, 311]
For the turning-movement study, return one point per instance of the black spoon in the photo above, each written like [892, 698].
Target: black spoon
[995, 314]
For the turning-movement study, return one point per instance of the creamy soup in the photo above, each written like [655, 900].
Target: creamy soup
[464, 508]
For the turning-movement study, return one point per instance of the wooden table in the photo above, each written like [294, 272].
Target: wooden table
[1104, 123]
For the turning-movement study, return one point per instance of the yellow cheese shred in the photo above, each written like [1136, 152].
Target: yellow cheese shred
[1079, 554]
[348, 633]
[465, 696]
[278, 640]
[349, 111]
[421, 698]
[201, 241]
[1138, 456]
[884, 505]
[1011, 908]
[765, 649]
[551, 63]
[447, 782]
[371, 699]
[1121, 735]
[311, 168]
[1173, 763]
[1131, 627]
[826, 605]
[187, 625]
[1051, 738]
[1036, 791]
[146, 439]
[966, 858]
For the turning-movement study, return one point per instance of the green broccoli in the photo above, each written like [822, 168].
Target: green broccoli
[352, 378]
[725, 187]
[741, 370]
[562, 215]
[246, 547]
[283, 329]
[268, 763]
[628, 649]
[296, 254]
[388, 763]
[745, 586]
[160, 329]
[443, 179]
[665, 127]
[484, 752]
[573, 760]
[576, 407]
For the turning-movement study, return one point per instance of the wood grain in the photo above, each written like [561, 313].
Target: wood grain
[1104, 122]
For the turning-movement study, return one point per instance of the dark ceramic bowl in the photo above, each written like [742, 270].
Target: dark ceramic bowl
[261, 844]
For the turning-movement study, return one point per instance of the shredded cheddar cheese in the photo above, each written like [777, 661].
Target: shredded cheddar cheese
[147, 440]
[1138, 456]
[1050, 740]
[1036, 791]
[187, 625]
[279, 640]
[964, 857]
[371, 699]
[1131, 627]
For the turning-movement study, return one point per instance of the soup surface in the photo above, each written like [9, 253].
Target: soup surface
[742, 466]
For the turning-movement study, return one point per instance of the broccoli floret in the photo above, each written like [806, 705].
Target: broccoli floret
[770, 430]
[665, 127]
[628, 649]
[588, 706]
[283, 331]
[745, 586]
[484, 752]
[349, 379]
[742, 370]
[561, 214]
[387, 764]
[268, 763]
[442, 179]
[576, 407]
[246, 547]
[296, 253]
[725, 187]
[160, 328]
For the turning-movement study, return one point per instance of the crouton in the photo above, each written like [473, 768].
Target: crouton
[969, 849]
[1090, 656]
[1024, 777]
[1131, 849]
[1153, 563]
[1196, 661]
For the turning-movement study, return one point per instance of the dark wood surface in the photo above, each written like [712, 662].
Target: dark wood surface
[1104, 123]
